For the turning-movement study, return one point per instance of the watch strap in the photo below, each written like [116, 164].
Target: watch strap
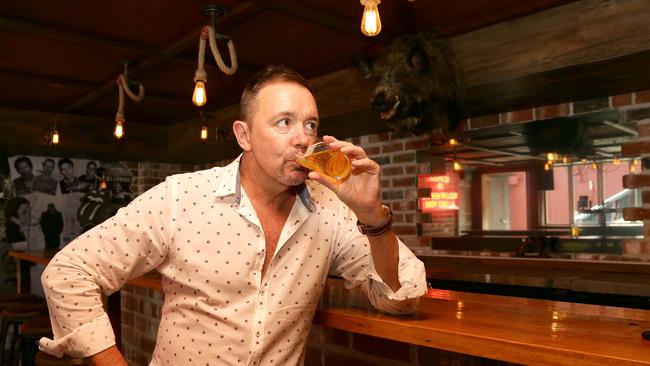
[376, 230]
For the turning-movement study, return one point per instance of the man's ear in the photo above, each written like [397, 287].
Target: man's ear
[242, 134]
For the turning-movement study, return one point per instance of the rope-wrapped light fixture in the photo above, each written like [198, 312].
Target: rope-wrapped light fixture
[208, 33]
[124, 87]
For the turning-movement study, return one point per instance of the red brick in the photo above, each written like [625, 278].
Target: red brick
[621, 100]
[424, 241]
[385, 183]
[642, 97]
[643, 129]
[404, 206]
[373, 150]
[484, 121]
[417, 144]
[397, 146]
[517, 116]
[404, 182]
[645, 197]
[404, 158]
[413, 169]
[379, 137]
[635, 148]
[551, 111]
[392, 170]
[385, 348]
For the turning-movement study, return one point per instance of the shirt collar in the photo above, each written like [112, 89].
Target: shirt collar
[230, 184]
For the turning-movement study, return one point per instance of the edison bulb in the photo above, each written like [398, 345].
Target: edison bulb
[204, 133]
[370, 23]
[119, 128]
[55, 137]
[199, 98]
[457, 166]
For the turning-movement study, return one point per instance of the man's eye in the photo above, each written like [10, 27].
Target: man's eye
[311, 125]
[283, 122]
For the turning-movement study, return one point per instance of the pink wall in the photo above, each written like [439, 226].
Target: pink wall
[518, 201]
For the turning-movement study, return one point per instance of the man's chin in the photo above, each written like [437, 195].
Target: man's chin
[295, 178]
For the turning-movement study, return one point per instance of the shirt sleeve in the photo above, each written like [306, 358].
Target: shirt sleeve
[352, 260]
[100, 261]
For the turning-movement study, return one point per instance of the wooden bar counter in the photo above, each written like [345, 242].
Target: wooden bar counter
[519, 330]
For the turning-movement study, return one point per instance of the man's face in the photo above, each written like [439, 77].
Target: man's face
[48, 167]
[90, 170]
[66, 170]
[283, 122]
[24, 168]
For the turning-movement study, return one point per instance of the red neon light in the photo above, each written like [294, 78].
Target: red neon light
[443, 197]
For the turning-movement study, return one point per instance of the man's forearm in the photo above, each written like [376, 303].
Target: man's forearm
[385, 256]
[109, 357]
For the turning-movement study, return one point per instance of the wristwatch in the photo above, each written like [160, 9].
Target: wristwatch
[379, 229]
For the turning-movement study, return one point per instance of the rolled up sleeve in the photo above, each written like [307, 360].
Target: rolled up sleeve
[353, 262]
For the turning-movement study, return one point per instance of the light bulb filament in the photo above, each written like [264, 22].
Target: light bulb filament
[199, 97]
[119, 129]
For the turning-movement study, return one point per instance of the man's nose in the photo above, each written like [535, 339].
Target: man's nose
[301, 136]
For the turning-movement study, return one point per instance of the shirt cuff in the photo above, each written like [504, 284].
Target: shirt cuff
[411, 277]
[85, 341]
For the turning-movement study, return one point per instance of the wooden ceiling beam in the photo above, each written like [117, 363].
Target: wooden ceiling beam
[241, 12]
[63, 82]
[84, 39]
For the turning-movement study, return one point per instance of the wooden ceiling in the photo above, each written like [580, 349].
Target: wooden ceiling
[64, 56]
[61, 58]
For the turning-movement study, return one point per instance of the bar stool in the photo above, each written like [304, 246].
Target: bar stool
[31, 331]
[8, 300]
[43, 359]
[11, 318]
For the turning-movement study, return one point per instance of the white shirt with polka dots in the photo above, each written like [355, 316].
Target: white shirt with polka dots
[201, 233]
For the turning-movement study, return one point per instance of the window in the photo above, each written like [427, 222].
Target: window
[591, 196]
[505, 201]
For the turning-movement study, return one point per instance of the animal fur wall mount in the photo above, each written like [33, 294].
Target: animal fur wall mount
[420, 85]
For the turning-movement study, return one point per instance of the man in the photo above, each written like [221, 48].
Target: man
[244, 250]
[88, 181]
[52, 226]
[24, 183]
[69, 182]
[45, 182]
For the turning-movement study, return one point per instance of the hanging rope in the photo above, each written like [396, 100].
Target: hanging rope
[124, 84]
[217, 56]
[208, 33]
[123, 87]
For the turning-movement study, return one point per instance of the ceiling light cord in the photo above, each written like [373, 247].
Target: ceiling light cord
[209, 33]
[123, 86]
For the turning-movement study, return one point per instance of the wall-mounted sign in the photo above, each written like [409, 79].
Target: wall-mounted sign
[441, 193]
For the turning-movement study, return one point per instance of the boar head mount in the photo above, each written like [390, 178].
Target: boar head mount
[420, 85]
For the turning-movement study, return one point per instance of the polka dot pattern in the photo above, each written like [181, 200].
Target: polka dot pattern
[200, 231]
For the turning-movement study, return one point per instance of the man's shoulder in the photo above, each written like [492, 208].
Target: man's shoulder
[209, 175]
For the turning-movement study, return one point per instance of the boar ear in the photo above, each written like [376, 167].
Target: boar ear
[363, 65]
[418, 59]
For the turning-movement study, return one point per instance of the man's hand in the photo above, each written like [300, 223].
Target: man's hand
[109, 357]
[360, 191]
